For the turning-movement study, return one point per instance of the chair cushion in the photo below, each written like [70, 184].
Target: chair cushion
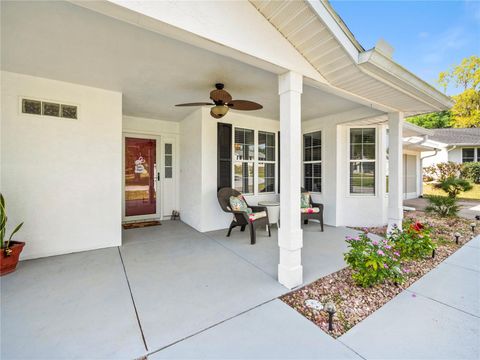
[305, 200]
[310, 210]
[238, 203]
[258, 215]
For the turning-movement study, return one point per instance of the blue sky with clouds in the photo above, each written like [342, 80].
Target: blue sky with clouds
[428, 36]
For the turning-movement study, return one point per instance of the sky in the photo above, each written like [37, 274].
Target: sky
[428, 36]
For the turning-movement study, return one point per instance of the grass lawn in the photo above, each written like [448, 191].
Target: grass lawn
[473, 194]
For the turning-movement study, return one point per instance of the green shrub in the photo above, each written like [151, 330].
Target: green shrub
[454, 186]
[373, 261]
[471, 171]
[442, 206]
[442, 171]
[414, 242]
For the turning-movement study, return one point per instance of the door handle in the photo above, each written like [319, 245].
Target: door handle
[158, 176]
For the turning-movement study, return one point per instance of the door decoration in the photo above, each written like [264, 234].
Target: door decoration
[139, 167]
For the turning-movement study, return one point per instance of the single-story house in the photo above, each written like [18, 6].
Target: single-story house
[91, 136]
[457, 145]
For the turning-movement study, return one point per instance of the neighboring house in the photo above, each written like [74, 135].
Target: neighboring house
[457, 145]
[91, 136]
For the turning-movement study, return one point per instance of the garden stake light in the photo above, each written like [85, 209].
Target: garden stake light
[457, 236]
[473, 227]
[433, 253]
[330, 308]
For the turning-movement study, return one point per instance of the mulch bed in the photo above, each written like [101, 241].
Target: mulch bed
[354, 303]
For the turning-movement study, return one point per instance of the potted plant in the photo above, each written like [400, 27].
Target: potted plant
[10, 250]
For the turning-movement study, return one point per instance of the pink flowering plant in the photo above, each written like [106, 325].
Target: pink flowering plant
[373, 261]
[415, 241]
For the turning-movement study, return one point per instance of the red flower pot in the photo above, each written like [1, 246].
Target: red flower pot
[8, 263]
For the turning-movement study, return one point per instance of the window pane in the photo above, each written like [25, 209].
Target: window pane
[168, 160]
[262, 152]
[270, 154]
[468, 155]
[308, 184]
[362, 178]
[307, 140]
[316, 138]
[168, 149]
[308, 170]
[307, 154]
[269, 185]
[355, 136]
[355, 152]
[317, 170]
[316, 153]
[368, 136]
[368, 152]
[238, 178]
[317, 185]
[168, 172]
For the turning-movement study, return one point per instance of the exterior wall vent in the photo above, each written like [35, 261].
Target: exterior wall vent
[49, 108]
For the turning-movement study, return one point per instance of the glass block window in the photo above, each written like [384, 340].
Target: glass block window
[468, 155]
[69, 111]
[266, 162]
[312, 161]
[243, 160]
[50, 109]
[31, 107]
[362, 161]
[168, 161]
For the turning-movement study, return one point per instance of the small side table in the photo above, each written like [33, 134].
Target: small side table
[273, 209]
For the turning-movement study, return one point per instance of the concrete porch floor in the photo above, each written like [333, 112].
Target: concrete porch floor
[165, 284]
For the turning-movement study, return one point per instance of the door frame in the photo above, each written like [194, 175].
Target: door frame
[159, 162]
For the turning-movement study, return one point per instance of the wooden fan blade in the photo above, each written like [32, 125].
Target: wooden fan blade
[214, 115]
[195, 104]
[220, 95]
[244, 105]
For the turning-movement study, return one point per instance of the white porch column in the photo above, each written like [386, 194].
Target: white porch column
[290, 237]
[395, 170]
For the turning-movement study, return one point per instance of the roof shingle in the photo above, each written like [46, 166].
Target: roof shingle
[468, 136]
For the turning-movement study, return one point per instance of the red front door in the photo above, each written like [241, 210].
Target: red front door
[140, 176]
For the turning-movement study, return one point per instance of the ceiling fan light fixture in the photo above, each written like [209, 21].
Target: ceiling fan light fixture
[220, 110]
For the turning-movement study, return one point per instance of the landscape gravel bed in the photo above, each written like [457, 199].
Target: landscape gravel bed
[354, 303]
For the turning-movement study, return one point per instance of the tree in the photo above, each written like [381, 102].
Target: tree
[437, 120]
[466, 111]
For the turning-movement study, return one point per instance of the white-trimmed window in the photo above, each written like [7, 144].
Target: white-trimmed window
[244, 160]
[266, 162]
[312, 161]
[362, 161]
[468, 155]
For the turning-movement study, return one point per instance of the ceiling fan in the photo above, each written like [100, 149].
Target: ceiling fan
[222, 102]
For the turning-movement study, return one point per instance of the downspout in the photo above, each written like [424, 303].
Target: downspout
[421, 167]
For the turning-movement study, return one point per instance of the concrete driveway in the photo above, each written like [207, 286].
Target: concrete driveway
[468, 208]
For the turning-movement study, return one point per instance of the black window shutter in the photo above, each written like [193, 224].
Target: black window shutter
[278, 162]
[224, 155]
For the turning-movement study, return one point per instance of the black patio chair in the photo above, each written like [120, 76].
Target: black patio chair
[318, 215]
[241, 218]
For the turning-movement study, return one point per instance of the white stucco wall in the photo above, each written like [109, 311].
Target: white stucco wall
[62, 176]
[191, 169]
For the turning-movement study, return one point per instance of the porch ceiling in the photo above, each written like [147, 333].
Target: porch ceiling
[62, 41]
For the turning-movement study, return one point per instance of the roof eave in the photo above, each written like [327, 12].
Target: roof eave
[377, 64]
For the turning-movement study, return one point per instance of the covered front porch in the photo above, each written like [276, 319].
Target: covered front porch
[165, 283]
